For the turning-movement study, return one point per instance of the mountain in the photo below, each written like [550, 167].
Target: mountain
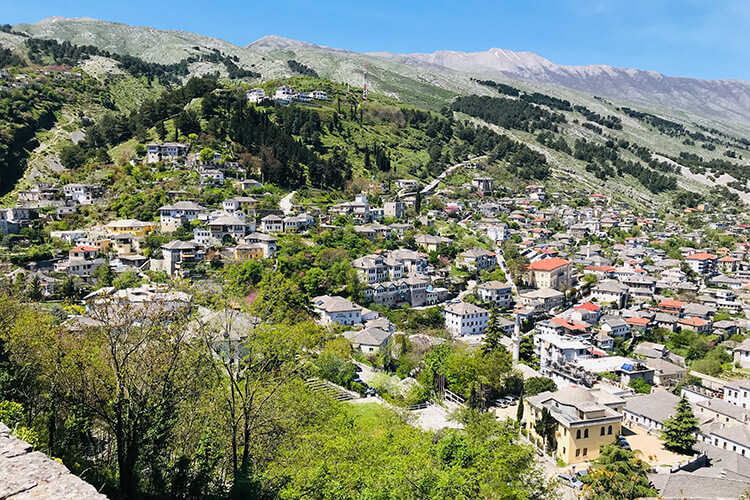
[727, 99]
[424, 79]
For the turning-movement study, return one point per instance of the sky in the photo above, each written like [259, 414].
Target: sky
[694, 38]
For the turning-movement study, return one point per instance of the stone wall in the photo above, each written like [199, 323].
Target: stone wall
[26, 474]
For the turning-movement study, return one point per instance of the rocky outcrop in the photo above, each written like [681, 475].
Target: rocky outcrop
[26, 474]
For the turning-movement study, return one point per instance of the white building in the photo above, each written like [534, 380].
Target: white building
[337, 310]
[272, 224]
[738, 393]
[255, 95]
[168, 151]
[495, 291]
[553, 348]
[464, 318]
[212, 177]
[319, 95]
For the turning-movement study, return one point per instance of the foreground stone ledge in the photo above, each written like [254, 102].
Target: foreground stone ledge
[26, 474]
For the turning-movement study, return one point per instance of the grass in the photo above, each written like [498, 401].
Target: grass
[367, 412]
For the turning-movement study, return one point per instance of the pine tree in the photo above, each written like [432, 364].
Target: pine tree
[678, 434]
[492, 334]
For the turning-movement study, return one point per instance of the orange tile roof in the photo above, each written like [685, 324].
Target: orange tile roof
[548, 264]
[570, 325]
[671, 303]
[693, 321]
[84, 248]
[638, 321]
[589, 307]
[701, 256]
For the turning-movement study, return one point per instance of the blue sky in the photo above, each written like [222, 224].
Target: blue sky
[697, 38]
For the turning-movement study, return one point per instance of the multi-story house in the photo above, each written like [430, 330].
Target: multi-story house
[466, 319]
[478, 258]
[411, 290]
[176, 214]
[496, 292]
[376, 268]
[248, 251]
[550, 273]
[168, 151]
[702, 263]
[272, 224]
[586, 420]
[358, 210]
[177, 253]
[133, 226]
[267, 241]
[255, 95]
[337, 310]
[394, 209]
[239, 203]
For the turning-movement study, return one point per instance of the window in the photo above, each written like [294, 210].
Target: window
[578, 453]
[585, 435]
[609, 431]
[602, 432]
[578, 434]
[563, 450]
[585, 451]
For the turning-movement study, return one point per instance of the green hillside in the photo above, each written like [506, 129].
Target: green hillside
[412, 126]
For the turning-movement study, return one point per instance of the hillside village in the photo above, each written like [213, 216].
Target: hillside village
[615, 312]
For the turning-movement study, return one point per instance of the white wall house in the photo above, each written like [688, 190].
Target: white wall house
[466, 319]
[497, 292]
[337, 310]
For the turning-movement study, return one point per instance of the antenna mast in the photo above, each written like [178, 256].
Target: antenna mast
[364, 89]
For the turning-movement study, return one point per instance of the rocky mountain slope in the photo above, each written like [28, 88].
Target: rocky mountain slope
[729, 99]
[427, 79]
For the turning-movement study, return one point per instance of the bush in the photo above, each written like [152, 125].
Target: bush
[640, 386]
[710, 367]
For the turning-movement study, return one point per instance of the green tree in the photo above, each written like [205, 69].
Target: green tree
[678, 434]
[127, 279]
[493, 334]
[537, 385]
[104, 275]
[618, 475]
[34, 289]
[546, 427]
[639, 386]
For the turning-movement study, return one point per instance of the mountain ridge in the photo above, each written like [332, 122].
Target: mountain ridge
[725, 99]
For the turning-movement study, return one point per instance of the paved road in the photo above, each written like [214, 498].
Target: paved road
[286, 203]
[429, 188]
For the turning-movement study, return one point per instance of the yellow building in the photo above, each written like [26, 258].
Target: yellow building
[133, 226]
[250, 251]
[586, 420]
[550, 273]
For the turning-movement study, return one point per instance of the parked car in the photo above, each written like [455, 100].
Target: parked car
[581, 474]
[571, 481]
[623, 443]
[501, 403]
